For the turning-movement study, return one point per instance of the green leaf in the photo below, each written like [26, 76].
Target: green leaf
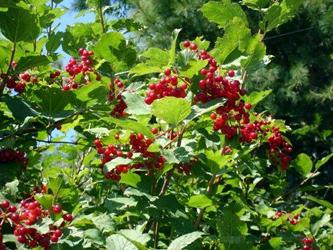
[54, 42]
[323, 161]
[256, 96]
[216, 161]
[119, 242]
[135, 104]
[199, 201]
[131, 125]
[156, 57]
[29, 62]
[279, 14]
[324, 203]
[256, 51]
[18, 24]
[113, 48]
[173, 49]
[230, 227]
[48, 102]
[235, 33]
[45, 200]
[144, 69]
[199, 110]
[130, 178]
[185, 240]
[19, 108]
[135, 236]
[92, 94]
[116, 162]
[303, 164]
[12, 187]
[223, 12]
[94, 235]
[193, 68]
[276, 242]
[171, 109]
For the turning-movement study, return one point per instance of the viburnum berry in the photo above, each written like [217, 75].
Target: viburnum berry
[5, 204]
[11, 155]
[56, 209]
[154, 131]
[68, 217]
[187, 44]
[169, 85]
[231, 73]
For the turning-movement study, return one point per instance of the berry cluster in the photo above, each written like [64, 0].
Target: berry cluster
[138, 144]
[82, 66]
[308, 243]
[120, 105]
[18, 83]
[185, 167]
[279, 149]
[167, 86]
[189, 45]
[23, 218]
[233, 117]
[10, 155]
[55, 74]
[293, 219]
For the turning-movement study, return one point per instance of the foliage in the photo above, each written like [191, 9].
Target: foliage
[164, 150]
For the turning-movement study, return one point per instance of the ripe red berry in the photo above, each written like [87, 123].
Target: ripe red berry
[66, 87]
[186, 44]
[193, 47]
[231, 73]
[12, 209]
[57, 233]
[98, 143]
[54, 238]
[5, 204]
[213, 116]
[154, 131]
[56, 209]
[167, 72]
[68, 217]
[307, 241]
[248, 106]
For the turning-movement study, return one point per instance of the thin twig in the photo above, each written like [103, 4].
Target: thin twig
[60, 142]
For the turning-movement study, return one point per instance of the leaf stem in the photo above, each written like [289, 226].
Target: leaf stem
[202, 210]
[156, 234]
[101, 17]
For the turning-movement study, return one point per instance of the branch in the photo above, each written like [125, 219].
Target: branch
[60, 142]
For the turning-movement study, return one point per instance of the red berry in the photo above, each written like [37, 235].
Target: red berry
[213, 116]
[186, 44]
[12, 209]
[307, 240]
[167, 72]
[57, 209]
[5, 204]
[54, 238]
[231, 73]
[68, 217]
[57, 233]
[66, 87]
[154, 131]
[98, 143]
[247, 106]
[193, 47]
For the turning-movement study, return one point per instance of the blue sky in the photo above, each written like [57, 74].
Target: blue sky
[68, 19]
